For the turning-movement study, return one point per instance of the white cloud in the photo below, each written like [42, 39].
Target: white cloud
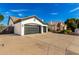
[75, 9]
[54, 13]
[19, 14]
[7, 12]
[18, 10]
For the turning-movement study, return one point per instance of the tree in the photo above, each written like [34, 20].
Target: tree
[71, 20]
[77, 21]
[2, 26]
[71, 23]
[1, 17]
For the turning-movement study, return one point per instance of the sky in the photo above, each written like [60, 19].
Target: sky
[56, 12]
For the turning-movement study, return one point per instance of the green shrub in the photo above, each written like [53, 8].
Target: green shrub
[66, 31]
[69, 31]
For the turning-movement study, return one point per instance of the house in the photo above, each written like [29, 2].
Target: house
[28, 25]
[52, 26]
[57, 26]
[61, 26]
[77, 31]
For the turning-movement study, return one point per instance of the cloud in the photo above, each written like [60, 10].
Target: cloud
[7, 12]
[54, 13]
[18, 10]
[75, 9]
[19, 14]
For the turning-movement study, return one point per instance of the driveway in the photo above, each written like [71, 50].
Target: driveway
[36, 44]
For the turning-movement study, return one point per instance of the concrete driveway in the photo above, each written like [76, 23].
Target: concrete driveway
[36, 44]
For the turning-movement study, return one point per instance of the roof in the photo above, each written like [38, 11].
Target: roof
[55, 23]
[22, 19]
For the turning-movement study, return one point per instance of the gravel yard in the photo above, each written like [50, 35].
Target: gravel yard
[39, 44]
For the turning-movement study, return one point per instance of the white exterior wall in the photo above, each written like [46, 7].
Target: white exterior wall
[17, 28]
[46, 28]
[22, 29]
[33, 20]
[42, 29]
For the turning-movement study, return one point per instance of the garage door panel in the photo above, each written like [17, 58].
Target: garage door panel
[31, 29]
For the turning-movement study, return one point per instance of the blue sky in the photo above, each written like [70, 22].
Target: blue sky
[46, 11]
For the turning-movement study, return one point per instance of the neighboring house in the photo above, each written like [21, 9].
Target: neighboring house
[29, 25]
[61, 26]
[57, 26]
[77, 31]
[52, 26]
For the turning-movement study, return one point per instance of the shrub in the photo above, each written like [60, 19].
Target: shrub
[69, 31]
[66, 31]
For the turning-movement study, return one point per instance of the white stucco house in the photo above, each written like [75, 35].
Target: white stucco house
[28, 25]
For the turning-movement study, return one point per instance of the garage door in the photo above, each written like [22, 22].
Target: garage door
[44, 28]
[31, 29]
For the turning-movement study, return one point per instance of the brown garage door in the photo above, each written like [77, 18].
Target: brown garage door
[31, 29]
